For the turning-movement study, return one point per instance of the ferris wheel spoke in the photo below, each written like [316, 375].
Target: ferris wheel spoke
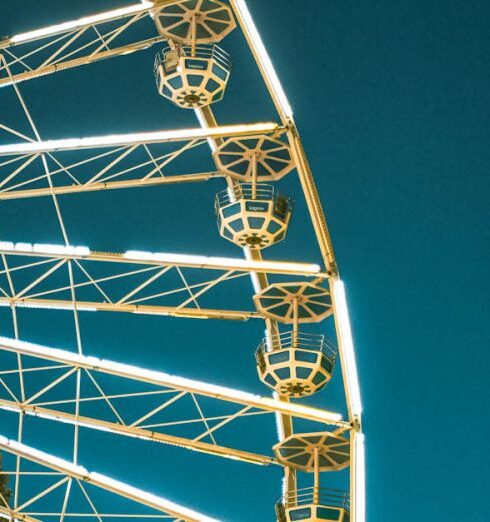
[132, 162]
[67, 45]
[242, 405]
[82, 291]
[73, 474]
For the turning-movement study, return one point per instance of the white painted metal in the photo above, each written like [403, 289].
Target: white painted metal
[78, 472]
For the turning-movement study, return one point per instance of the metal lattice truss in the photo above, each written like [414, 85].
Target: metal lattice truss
[134, 402]
[85, 392]
[67, 45]
[32, 168]
[75, 278]
[43, 482]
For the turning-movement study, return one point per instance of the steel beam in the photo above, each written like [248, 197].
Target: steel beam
[101, 481]
[136, 432]
[162, 259]
[138, 138]
[170, 381]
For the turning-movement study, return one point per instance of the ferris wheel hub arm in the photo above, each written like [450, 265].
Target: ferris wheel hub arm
[138, 138]
[63, 27]
[102, 481]
[116, 428]
[171, 381]
[162, 259]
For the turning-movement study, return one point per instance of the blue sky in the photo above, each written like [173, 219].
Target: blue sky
[392, 100]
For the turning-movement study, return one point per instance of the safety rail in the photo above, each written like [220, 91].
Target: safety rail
[204, 51]
[260, 191]
[312, 496]
[298, 341]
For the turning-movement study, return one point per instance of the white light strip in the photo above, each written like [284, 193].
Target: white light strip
[41, 457]
[164, 379]
[220, 262]
[81, 22]
[347, 345]
[102, 481]
[148, 498]
[263, 56]
[47, 306]
[210, 262]
[44, 248]
[112, 140]
[360, 479]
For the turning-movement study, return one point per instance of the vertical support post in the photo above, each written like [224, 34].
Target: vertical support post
[316, 483]
[193, 35]
[295, 323]
[254, 177]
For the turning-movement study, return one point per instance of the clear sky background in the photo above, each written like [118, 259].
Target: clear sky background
[393, 102]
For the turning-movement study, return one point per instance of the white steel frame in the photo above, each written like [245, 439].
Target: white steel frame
[69, 45]
[24, 154]
[170, 387]
[70, 472]
[50, 267]
[124, 166]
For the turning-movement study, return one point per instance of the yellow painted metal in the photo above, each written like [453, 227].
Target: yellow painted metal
[309, 188]
[136, 432]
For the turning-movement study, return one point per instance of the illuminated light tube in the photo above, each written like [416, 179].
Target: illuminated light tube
[148, 498]
[61, 249]
[360, 478]
[220, 262]
[44, 248]
[101, 481]
[211, 262]
[112, 140]
[347, 345]
[41, 457]
[80, 22]
[47, 306]
[263, 56]
[164, 379]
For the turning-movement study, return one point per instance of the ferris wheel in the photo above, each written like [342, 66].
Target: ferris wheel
[302, 305]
